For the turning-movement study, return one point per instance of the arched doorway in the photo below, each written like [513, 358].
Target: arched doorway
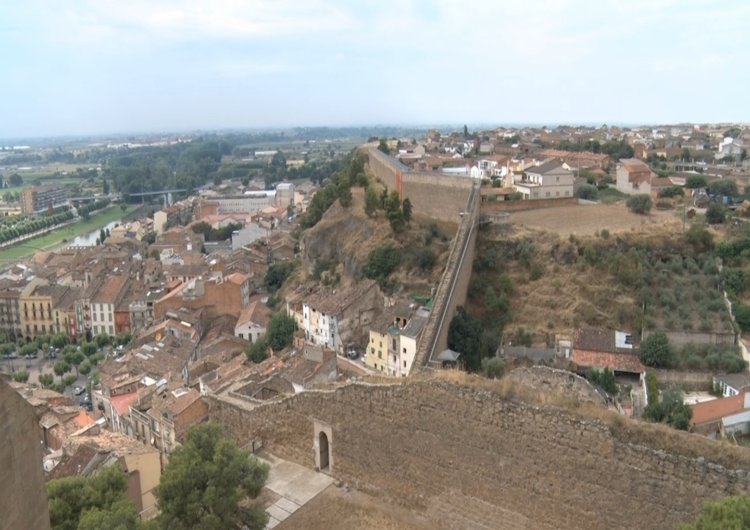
[324, 449]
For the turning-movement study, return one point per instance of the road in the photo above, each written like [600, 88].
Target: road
[39, 366]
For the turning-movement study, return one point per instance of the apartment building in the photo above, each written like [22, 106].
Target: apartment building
[37, 315]
[10, 311]
[39, 198]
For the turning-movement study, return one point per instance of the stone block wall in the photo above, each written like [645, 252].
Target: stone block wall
[23, 494]
[451, 450]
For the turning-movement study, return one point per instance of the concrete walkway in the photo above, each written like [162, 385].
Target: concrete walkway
[295, 485]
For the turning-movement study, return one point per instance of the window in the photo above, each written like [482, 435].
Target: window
[394, 344]
[381, 367]
[241, 336]
[94, 315]
[404, 364]
[372, 340]
[111, 331]
[566, 193]
[381, 343]
[96, 330]
[102, 317]
[380, 354]
[404, 350]
[110, 317]
[44, 328]
[372, 350]
[557, 194]
[557, 179]
[548, 194]
[28, 329]
[35, 328]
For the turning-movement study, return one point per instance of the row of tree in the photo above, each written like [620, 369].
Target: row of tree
[32, 225]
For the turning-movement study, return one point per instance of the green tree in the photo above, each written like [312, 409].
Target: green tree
[89, 348]
[696, 181]
[715, 214]
[723, 187]
[396, 220]
[154, 253]
[700, 238]
[425, 259]
[407, 209]
[372, 201]
[383, 146]
[656, 351]
[280, 331]
[85, 368]
[123, 207]
[277, 274]
[121, 515]
[16, 180]
[604, 378]
[381, 262]
[61, 368]
[588, 192]
[205, 481]
[730, 513]
[362, 180]
[74, 359]
[257, 352]
[464, 335]
[68, 380]
[686, 154]
[671, 410]
[71, 498]
[493, 367]
[742, 316]
[60, 340]
[640, 203]
[21, 377]
[105, 187]
[46, 380]
[345, 196]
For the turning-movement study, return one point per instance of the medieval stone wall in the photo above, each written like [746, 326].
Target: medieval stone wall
[472, 459]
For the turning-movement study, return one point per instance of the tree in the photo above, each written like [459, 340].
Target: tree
[205, 481]
[61, 368]
[686, 154]
[123, 207]
[715, 214]
[587, 192]
[730, 513]
[21, 377]
[105, 187]
[696, 181]
[407, 209]
[88, 503]
[86, 215]
[46, 380]
[276, 275]
[425, 259]
[85, 368]
[60, 340]
[640, 204]
[464, 337]
[466, 131]
[742, 316]
[671, 410]
[68, 380]
[280, 331]
[74, 359]
[102, 339]
[605, 379]
[701, 239]
[345, 196]
[723, 188]
[155, 253]
[257, 352]
[372, 201]
[493, 367]
[16, 180]
[515, 196]
[381, 262]
[383, 146]
[89, 348]
[656, 351]
[397, 221]
[102, 235]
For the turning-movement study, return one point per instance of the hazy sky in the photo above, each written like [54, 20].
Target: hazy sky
[105, 66]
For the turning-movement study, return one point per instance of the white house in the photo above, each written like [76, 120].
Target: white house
[253, 320]
[730, 147]
[409, 340]
[547, 181]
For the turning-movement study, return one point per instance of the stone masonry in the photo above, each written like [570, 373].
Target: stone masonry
[472, 459]
[23, 495]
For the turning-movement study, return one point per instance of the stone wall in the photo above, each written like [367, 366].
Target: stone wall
[23, 495]
[472, 459]
[535, 204]
[687, 381]
[680, 339]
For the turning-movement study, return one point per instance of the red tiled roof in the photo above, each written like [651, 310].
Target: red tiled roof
[122, 403]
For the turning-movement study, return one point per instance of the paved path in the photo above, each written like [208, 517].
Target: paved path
[295, 485]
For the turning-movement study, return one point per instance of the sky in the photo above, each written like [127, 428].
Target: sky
[78, 67]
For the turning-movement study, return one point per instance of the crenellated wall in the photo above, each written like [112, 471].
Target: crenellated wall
[467, 457]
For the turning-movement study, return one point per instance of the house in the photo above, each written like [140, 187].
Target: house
[253, 320]
[634, 177]
[606, 348]
[732, 384]
[86, 455]
[730, 147]
[387, 350]
[729, 414]
[546, 181]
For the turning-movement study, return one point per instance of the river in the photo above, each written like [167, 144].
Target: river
[89, 239]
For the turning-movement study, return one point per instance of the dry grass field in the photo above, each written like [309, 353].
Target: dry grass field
[587, 219]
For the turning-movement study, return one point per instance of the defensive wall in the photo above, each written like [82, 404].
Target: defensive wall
[23, 494]
[484, 461]
[448, 198]
[535, 204]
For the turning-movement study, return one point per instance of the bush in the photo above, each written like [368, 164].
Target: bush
[505, 284]
[587, 192]
[425, 259]
[715, 214]
[493, 367]
[537, 271]
[257, 352]
[589, 254]
[605, 233]
[382, 262]
[656, 351]
[280, 331]
[640, 204]
[672, 410]
[277, 275]
[700, 238]
[605, 379]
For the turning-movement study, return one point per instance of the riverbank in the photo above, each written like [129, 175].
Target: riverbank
[68, 233]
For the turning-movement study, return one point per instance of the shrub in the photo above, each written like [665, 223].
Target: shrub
[587, 192]
[382, 262]
[505, 284]
[715, 214]
[493, 367]
[537, 271]
[640, 204]
[425, 259]
[700, 238]
[280, 331]
[605, 233]
[694, 362]
[589, 254]
[605, 379]
[257, 352]
[656, 351]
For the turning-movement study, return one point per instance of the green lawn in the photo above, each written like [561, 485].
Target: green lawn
[611, 195]
[80, 227]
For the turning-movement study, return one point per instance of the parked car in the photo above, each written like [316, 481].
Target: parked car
[79, 390]
[86, 403]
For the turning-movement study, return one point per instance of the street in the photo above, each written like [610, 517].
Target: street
[39, 366]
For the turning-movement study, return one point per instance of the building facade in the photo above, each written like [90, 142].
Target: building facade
[38, 198]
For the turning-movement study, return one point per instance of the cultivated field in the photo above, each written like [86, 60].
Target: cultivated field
[588, 219]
